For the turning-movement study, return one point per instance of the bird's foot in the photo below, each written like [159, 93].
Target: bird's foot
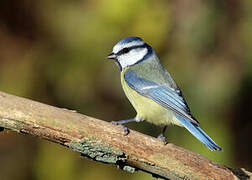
[125, 129]
[121, 122]
[115, 122]
[162, 138]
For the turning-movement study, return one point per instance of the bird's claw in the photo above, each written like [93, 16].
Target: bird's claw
[162, 138]
[115, 122]
[125, 129]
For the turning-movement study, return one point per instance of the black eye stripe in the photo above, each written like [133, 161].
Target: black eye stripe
[125, 50]
[128, 49]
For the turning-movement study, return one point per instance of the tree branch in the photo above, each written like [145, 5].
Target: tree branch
[104, 142]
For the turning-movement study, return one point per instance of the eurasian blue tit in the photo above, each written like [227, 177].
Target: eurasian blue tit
[152, 91]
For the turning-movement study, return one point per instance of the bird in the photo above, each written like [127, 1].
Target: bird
[152, 91]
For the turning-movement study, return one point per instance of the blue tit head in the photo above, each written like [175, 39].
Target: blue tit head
[130, 51]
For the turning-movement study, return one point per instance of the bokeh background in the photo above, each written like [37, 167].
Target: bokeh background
[55, 52]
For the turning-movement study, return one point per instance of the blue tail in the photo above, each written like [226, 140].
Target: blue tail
[199, 134]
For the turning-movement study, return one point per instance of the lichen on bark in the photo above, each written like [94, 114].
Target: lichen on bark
[98, 150]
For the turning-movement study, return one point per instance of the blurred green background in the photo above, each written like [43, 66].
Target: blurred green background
[55, 52]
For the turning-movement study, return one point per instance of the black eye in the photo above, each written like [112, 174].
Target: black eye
[125, 50]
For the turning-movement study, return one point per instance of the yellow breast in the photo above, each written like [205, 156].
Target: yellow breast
[146, 108]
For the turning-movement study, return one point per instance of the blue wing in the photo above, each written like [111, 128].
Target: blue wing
[167, 97]
[171, 99]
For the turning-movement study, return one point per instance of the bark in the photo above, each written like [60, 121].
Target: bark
[105, 142]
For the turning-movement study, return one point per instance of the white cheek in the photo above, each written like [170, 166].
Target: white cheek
[132, 57]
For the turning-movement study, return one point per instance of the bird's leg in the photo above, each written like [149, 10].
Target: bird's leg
[161, 135]
[122, 122]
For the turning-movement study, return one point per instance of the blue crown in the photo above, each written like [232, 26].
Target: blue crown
[129, 39]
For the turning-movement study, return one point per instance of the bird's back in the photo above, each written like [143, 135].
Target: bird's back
[153, 70]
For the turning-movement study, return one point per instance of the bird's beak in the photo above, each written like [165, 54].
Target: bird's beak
[112, 56]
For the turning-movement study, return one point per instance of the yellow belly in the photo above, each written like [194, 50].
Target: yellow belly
[148, 109]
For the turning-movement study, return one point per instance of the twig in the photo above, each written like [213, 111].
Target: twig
[105, 142]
